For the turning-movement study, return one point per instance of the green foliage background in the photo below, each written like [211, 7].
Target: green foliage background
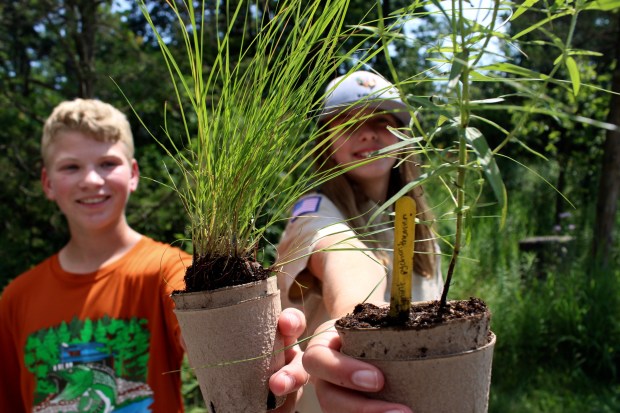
[556, 322]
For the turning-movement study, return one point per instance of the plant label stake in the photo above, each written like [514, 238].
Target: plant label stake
[402, 268]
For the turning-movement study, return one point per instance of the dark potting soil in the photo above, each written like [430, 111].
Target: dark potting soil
[207, 273]
[420, 316]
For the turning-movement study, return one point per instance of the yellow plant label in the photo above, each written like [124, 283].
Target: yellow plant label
[402, 267]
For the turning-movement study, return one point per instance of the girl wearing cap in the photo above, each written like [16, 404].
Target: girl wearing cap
[332, 258]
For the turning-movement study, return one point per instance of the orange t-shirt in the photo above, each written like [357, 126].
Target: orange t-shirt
[94, 342]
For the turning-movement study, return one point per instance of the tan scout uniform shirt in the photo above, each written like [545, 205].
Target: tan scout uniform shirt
[314, 217]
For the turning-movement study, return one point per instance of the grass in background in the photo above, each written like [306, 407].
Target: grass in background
[557, 323]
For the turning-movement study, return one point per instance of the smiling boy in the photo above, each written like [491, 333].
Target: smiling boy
[92, 328]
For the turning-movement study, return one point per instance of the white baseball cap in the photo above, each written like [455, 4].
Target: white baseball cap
[363, 89]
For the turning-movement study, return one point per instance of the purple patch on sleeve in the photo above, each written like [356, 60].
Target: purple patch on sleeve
[306, 205]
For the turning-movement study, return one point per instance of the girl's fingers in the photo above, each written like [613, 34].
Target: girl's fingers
[338, 379]
[289, 378]
[323, 360]
[335, 399]
[291, 325]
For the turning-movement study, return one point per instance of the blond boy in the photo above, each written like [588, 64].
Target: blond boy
[91, 328]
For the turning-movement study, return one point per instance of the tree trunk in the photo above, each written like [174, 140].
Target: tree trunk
[83, 14]
[609, 184]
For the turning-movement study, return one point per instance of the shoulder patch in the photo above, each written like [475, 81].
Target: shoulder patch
[306, 205]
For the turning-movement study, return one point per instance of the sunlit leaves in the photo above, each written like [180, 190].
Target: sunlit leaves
[459, 64]
[485, 158]
[525, 6]
[604, 5]
[573, 72]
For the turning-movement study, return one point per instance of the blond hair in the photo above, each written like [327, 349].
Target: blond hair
[94, 118]
[357, 209]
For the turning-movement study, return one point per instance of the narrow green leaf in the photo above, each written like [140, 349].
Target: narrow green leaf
[458, 65]
[604, 5]
[523, 8]
[539, 176]
[557, 113]
[584, 53]
[405, 142]
[486, 160]
[441, 170]
[539, 24]
[487, 101]
[442, 119]
[513, 69]
[573, 72]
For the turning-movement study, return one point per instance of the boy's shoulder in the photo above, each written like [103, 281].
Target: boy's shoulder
[29, 278]
[159, 250]
[148, 253]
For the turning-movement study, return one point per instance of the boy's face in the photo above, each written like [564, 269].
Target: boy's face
[89, 180]
[359, 133]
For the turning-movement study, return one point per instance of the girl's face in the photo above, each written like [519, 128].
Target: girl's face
[89, 180]
[356, 135]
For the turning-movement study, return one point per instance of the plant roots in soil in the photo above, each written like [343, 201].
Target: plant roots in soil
[209, 273]
[421, 315]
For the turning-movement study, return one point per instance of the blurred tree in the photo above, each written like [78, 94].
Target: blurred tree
[609, 184]
[585, 154]
[366, 17]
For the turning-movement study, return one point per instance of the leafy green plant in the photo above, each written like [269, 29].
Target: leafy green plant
[460, 58]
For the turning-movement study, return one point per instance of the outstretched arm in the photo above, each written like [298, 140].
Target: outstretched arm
[349, 274]
[339, 379]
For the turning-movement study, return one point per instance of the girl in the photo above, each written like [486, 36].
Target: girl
[332, 257]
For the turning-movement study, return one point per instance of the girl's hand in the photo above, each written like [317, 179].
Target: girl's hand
[338, 378]
[290, 379]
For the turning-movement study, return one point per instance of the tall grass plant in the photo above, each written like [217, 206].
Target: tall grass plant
[247, 141]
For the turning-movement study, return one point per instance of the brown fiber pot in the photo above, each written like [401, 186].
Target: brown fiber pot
[442, 369]
[233, 345]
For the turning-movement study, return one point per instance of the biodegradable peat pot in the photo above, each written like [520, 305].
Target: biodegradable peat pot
[432, 368]
[233, 345]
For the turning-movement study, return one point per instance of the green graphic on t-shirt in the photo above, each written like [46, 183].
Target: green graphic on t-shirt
[88, 365]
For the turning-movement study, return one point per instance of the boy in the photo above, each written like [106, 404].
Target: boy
[92, 328]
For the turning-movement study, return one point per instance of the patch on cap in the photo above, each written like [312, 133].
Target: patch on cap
[305, 206]
[363, 89]
[367, 82]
